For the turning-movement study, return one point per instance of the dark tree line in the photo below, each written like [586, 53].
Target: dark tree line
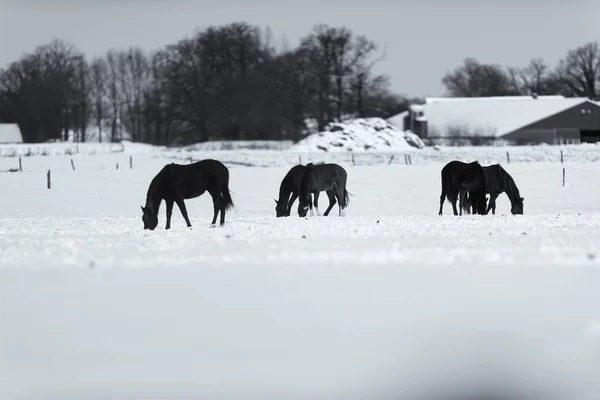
[576, 75]
[227, 82]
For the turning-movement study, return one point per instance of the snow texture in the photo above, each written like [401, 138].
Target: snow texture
[359, 135]
[392, 301]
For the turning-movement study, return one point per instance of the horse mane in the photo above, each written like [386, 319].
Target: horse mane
[305, 180]
[151, 195]
[512, 191]
[287, 183]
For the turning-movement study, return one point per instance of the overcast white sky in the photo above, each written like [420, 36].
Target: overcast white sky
[424, 38]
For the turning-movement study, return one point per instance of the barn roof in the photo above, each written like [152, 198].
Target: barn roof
[489, 116]
[10, 133]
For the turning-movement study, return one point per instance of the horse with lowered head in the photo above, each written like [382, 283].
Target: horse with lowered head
[330, 178]
[498, 181]
[290, 185]
[457, 176]
[176, 182]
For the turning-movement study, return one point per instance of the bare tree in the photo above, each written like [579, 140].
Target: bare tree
[98, 90]
[362, 82]
[114, 95]
[473, 79]
[224, 82]
[579, 71]
[320, 48]
[43, 92]
[134, 78]
[536, 78]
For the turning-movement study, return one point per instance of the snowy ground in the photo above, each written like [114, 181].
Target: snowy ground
[392, 300]
[280, 156]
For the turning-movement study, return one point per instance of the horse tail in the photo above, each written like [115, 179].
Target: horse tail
[446, 184]
[465, 201]
[226, 196]
[345, 199]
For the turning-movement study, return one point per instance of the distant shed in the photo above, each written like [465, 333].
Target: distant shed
[10, 134]
[518, 119]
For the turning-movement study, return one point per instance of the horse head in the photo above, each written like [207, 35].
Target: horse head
[516, 208]
[149, 218]
[280, 209]
[302, 208]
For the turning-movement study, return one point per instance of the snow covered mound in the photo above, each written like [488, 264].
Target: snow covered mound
[362, 134]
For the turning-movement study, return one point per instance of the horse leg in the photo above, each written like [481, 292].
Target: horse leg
[216, 198]
[291, 202]
[490, 204]
[339, 192]
[169, 213]
[316, 202]
[493, 203]
[442, 199]
[310, 204]
[183, 210]
[222, 209]
[332, 201]
[453, 200]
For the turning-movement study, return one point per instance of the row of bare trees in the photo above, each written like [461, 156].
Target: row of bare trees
[226, 82]
[575, 75]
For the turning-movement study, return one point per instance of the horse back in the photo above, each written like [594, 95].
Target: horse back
[495, 177]
[330, 174]
[323, 176]
[192, 180]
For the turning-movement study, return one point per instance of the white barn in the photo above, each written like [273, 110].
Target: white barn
[519, 119]
[10, 134]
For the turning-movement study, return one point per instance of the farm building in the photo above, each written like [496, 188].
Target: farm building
[10, 134]
[516, 119]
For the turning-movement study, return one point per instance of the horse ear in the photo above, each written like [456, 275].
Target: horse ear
[276, 202]
[522, 198]
[142, 207]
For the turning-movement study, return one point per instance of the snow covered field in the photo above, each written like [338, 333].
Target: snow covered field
[392, 300]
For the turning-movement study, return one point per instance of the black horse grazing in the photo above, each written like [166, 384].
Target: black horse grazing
[499, 181]
[316, 178]
[289, 186]
[176, 182]
[457, 176]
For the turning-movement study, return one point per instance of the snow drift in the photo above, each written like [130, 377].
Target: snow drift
[362, 134]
